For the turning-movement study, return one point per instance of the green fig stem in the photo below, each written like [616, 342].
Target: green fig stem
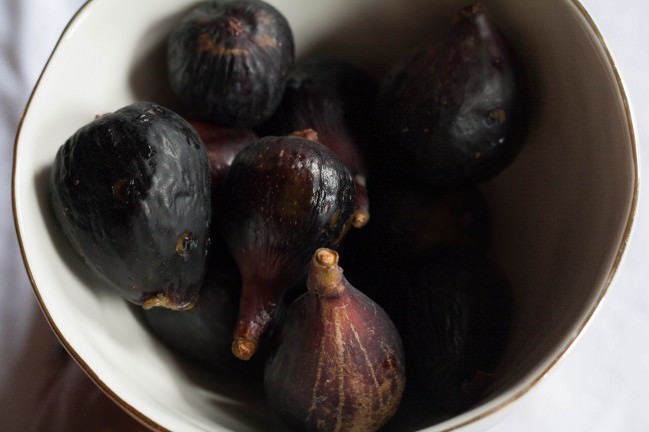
[325, 276]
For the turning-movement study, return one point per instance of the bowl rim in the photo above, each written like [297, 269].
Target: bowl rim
[479, 415]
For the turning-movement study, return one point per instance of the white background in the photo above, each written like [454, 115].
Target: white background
[601, 385]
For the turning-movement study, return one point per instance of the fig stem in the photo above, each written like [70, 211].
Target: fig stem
[243, 348]
[163, 301]
[309, 134]
[325, 276]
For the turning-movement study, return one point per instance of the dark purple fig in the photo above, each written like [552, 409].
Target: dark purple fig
[455, 111]
[334, 99]
[228, 61]
[222, 145]
[203, 334]
[283, 198]
[131, 191]
[337, 361]
[452, 310]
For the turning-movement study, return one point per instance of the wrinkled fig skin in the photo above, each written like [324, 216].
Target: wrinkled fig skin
[455, 340]
[283, 198]
[337, 362]
[332, 98]
[203, 334]
[131, 191]
[228, 61]
[222, 145]
[454, 112]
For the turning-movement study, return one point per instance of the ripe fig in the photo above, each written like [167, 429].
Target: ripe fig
[338, 362]
[455, 111]
[332, 98]
[283, 198]
[131, 191]
[228, 61]
[455, 339]
[222, 145]
[203, 334]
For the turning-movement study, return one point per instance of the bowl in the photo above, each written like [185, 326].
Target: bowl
[562, 212]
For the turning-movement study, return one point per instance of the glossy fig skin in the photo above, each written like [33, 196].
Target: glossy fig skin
[228, 61]
[455, 112]
[333, 98]
[337, 362]
[455, 340]
[131, 191]
[283, 198]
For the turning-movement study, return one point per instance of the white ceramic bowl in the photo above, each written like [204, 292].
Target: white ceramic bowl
[562, 212]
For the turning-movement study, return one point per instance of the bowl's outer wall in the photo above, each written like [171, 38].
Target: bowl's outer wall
[562, 212]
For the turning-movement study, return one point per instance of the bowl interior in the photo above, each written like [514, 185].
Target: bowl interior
[561, 213]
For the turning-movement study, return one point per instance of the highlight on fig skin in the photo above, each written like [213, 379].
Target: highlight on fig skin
[336, 361]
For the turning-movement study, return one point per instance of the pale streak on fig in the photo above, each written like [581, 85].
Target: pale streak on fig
[340, 371]
[205, 44]
[318, 376]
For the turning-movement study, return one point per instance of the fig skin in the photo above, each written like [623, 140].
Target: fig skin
[455, 340]
[222, 145]
[228, 61]
[454, 112]
[333, 98]
[283, 198]
[131, 191]
[203, 335]
[337, 361]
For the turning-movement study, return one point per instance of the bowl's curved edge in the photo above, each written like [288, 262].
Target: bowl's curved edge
[132, 411]
[628, 227]
[149, 423]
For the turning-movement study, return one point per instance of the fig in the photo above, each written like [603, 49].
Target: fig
[283, 198]
[131, 191]
[222, 145]
[337, 361]
[228, 61]
[459, 332]
[333, 98]
[203, 335]
[454, 112]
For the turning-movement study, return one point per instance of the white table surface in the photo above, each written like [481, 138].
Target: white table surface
[602, 385]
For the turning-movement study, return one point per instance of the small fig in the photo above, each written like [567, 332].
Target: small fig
[228, 61]
[283, 198]
[131, 191]
[337, 363]
[222, 145]
[203, 334]
[460, 328]
[454, 112]
[332, 98]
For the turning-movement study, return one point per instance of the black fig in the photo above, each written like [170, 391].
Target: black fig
[228, 61]
[338, 363]
[455, 111]
[334, 99]
[460, 328]
[203, 334]
[283, 198]
[131, 191]
[222, 145]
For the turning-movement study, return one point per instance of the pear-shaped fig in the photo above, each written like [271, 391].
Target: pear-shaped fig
[131, 191]
[228, 61]
[455, 111]
[453, 311]
[334, 99]
[337, 362]
[283, 198]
